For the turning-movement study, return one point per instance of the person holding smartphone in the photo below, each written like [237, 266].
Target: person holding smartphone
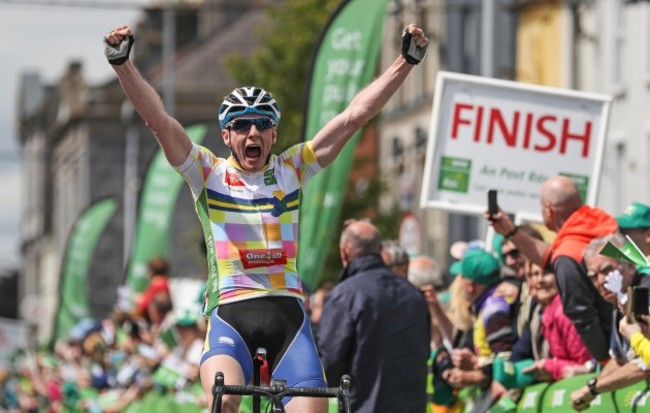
[563, 211]
[637, 332]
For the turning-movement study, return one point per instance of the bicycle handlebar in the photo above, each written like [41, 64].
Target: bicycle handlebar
[342, 393]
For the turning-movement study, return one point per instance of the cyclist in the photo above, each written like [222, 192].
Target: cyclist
[248, 207]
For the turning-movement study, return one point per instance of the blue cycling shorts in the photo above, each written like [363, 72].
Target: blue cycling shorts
[280, 325]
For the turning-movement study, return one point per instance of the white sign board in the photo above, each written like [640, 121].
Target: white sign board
[496, 134]
[13, 336]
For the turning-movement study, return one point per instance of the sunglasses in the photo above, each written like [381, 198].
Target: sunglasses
[244, 125]
[514, 254]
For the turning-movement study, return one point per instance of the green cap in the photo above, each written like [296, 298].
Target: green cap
[636, 215]
[454, 268]
[480, 266]
[186, 318]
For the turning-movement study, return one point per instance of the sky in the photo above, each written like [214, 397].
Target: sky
[43, 37]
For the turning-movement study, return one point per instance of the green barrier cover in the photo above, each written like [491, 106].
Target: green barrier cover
[634, 396]
[537, 398]
[532, 397]
[558, 396]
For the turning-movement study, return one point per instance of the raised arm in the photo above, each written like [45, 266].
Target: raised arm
[170, 134]
[330, 140]
[535, 250]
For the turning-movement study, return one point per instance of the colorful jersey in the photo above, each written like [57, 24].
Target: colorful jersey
[250, 222]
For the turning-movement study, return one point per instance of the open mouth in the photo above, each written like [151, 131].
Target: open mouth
[253, 151]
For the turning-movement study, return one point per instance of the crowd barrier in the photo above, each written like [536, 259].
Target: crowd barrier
[556, 398]
[537, 398]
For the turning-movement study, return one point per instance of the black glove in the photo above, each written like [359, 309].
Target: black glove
[411, 52]
[119, 54]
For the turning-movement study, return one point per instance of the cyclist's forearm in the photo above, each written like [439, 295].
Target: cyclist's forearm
[329, 142]
[143, 97]
[146, 101]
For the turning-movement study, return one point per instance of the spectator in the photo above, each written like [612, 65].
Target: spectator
[185, 340]
[375, 327]
[566, 348]
[158, 270]
[423, 270]
[316, 301]
[528, 322]
[576, 224]
[157, 310]
[458, 311]
[395, 257]
[424, 273]
[611, 278]
[635, 223]
[492, 331]
[517, 263]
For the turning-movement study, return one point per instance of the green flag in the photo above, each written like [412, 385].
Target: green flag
[628, 253]
[345, 62]
[73, 301]
[159, 195]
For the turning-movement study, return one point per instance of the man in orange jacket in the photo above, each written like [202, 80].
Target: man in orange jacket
[576, 225]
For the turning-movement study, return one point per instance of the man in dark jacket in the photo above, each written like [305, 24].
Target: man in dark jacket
[375, 327]
[576, 225]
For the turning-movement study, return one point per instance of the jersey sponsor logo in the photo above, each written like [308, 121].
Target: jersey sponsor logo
[232, 179]
[262, 258]
[226, 340]
[269, 177]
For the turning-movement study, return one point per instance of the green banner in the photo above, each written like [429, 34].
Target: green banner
[73, 301]
[159, 195]
[345, 62]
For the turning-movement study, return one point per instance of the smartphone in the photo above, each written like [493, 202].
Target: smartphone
[493, 206]
[637, 302]
[640, 300]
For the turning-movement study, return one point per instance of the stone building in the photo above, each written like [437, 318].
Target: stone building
[82, 143]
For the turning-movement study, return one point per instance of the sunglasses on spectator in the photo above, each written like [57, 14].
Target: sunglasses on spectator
[244, 125]
[514, 254]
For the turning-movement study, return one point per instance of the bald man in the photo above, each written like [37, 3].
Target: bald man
[576, 225]
[375, 327]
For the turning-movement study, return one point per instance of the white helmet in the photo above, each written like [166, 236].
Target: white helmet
[244, 100]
